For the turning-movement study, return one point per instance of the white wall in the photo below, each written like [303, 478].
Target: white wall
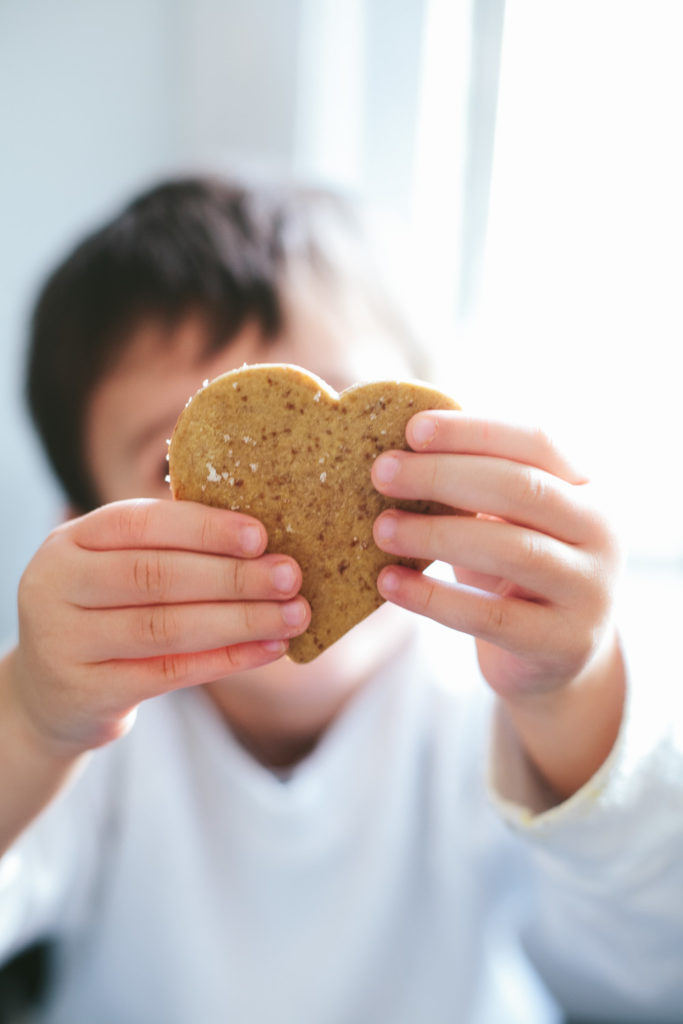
[84, 118]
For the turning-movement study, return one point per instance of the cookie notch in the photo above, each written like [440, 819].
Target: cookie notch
[276, 442]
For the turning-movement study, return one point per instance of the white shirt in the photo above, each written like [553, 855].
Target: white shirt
[185, 883]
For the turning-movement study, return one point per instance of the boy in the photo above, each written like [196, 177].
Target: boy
[277, 842]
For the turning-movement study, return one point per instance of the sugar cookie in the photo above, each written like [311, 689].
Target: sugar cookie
[276, 442]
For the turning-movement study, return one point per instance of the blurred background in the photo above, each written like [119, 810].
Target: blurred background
[522, 163]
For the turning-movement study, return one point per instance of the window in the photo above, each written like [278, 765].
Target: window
[579, 319]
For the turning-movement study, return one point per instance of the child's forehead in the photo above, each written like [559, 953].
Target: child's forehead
[148, 384]
[136, 403]
[159, 359]
[322, 335]
[154, 343]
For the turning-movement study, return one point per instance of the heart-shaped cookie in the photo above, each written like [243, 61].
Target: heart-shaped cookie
[278, 443]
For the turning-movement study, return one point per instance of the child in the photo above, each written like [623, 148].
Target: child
[273, 842]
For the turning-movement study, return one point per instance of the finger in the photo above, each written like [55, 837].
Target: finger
[150, 677]
[457, 432]
[157, 630]
[512, 623]
[183, 525]
[492, 549]
[154, 576]
[497, 487]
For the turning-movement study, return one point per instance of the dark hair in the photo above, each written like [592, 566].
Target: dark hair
[218, 249]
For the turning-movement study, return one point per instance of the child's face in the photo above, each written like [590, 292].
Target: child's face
[133, 412]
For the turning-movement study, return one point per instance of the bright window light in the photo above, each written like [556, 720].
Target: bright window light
[580, 319]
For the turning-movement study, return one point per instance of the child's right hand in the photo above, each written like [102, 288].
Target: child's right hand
[138, 598]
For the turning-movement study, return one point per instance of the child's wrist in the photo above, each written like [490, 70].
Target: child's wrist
[568, 732]
[32, 767]
[20, 728]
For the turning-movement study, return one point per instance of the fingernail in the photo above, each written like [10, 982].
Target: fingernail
[283, 577]
[293, 612]
[390, 581]
[385, 527]
[250, 539]
[274, 646]
[423, 429]
[386, 468]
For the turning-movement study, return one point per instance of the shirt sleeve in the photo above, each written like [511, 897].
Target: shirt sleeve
[48, 876]
[608, 928]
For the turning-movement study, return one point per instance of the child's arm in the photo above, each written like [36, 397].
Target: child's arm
[536, 572]
[128, 602]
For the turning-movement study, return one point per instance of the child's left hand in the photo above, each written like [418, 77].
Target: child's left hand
[536, 567]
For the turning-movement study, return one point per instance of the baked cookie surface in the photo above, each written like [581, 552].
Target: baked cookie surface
[276, 442]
